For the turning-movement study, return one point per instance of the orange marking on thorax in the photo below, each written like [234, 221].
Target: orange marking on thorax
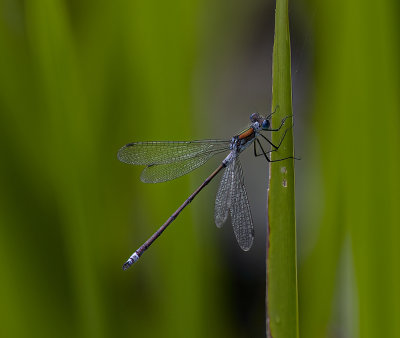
[246, 133]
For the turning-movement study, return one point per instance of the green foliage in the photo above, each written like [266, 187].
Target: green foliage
[356, 123]
[281, 262]
[78, 81]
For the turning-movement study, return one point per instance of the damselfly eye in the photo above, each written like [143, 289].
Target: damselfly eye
[265, 125]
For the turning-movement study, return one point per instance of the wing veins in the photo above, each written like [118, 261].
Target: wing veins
[163, 152]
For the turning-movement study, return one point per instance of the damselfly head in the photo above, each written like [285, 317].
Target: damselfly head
[257, 121]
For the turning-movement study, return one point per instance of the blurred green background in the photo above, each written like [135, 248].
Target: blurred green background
[79, 79]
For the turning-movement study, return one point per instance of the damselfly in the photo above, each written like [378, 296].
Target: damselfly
[167, 160]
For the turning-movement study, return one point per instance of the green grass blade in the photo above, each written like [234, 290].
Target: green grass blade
[357, 123]
[282, 306]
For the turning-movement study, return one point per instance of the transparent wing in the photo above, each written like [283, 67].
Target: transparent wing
[223, 198]
[165, 172]
[163, 152]
[242, 221]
